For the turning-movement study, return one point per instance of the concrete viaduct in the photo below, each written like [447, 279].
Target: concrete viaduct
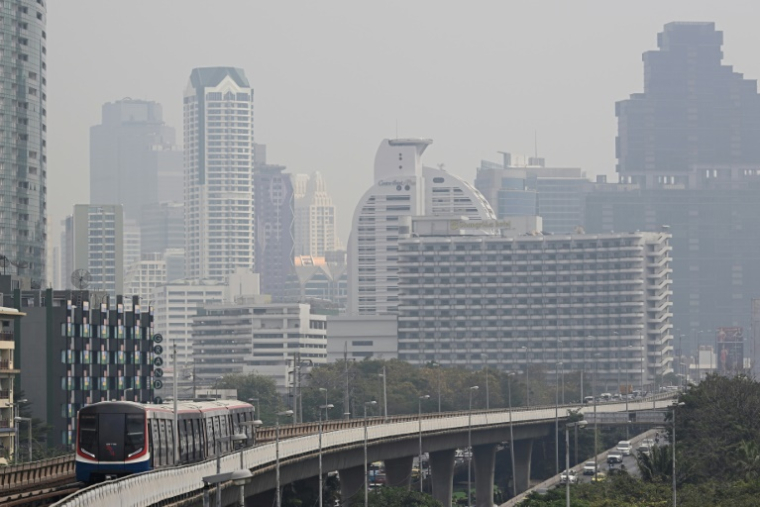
[395, 442]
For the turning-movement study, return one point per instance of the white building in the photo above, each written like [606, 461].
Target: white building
[255, 337]
[93, 240]
[358, 337]
[590, 301]
[402, 188]
[132, 248]
[174, 306]
[145, 275]
[219, 160]
[315, 229]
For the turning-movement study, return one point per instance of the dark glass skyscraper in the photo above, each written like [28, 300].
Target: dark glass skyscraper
[694, 111]
[23, 145]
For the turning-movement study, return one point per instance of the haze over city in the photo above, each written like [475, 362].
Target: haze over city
[333, 79]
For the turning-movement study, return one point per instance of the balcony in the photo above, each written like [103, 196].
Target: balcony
[6, 423]
[5, 394]
[6, 366]
[6, 337]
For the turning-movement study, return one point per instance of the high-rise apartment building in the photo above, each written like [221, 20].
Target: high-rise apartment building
[694, 111]
[219, 162]
[274, 227]
[143, 276]
[134, 158]
[315, 217]
[403, 188]
[468, 298]
[93, 240]
[524, 186]
[23, 137]
[163, 227]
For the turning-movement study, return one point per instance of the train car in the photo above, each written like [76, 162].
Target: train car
[117, 438]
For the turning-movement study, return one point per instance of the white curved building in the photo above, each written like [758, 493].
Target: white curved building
[403, 187]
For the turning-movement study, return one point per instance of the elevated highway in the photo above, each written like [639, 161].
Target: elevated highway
[394, 441]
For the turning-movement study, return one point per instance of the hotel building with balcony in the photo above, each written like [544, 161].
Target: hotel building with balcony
[8, 371]
[599, 303]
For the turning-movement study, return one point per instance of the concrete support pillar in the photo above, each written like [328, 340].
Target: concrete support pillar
[484, 459]
[442, 470]
[398, 472]
[523, 453]
[352, 485]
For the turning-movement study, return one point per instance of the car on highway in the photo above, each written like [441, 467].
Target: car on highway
[571, 477]
[599, 477]
[624, 447]
[645, 446]
[589, 468]
[614, 457]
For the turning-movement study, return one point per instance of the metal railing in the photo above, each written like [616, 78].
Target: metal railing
[36, 472]
[6, 337]
[150, 488]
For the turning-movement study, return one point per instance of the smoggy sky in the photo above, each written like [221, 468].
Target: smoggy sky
[333, 78]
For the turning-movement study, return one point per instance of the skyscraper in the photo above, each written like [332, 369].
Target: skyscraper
[688, 157]
[403, 188]
[315, 217]
[694, 111]
[134, 160]
[23, 144]
[274, 227]
[219, 160]
[93, 240]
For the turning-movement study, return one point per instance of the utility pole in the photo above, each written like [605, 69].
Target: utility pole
[346, 397]
[175, 429]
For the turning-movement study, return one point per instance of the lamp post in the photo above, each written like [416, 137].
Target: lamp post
[556, 418]
[511, 434]
[287, 413]
[419, 424]
[440, 375]
[28, 420]
[324, 407]
[527, 375]
[576, 425]
[469, 446]
[366, 473]
[324, 390]
[384, 376]
[239, 477]
[242, 438]
[596, 419]
[673, 444]
[484, 357]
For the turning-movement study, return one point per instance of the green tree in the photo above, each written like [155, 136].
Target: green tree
[256, 389]
[657, 465]
[401, 497]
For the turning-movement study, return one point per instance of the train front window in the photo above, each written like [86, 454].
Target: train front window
[88, 434]
[111, 437]
[135, 438]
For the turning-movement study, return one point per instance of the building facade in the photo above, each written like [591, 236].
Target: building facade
[93, 241]
[403, 188]
[134, 158]
[23, 137]
[76, 348]
[315, 228]
[694, 110]
[219, 161]
[274, 228]
[591, 302]
[317, 278]
[254, 337]
[521, 186]
[8, 371]
[359, 337]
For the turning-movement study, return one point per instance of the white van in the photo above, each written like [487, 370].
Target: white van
[624, 447]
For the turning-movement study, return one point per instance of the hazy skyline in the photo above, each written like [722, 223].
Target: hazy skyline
[331, 80]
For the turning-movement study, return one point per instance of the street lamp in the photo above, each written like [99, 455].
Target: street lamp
[673, 443]
[324, 407]
[576, 425]
[556, 418]
[220, 478]
[596, 419]
[511, 434]
[527, 375]
[419, 423]
[366, 473]
[469, 446]
[324, 390]
[488, 394]
[28, 420]
[384, 376]
[287, 413]
[244, 475]
[440, 374]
